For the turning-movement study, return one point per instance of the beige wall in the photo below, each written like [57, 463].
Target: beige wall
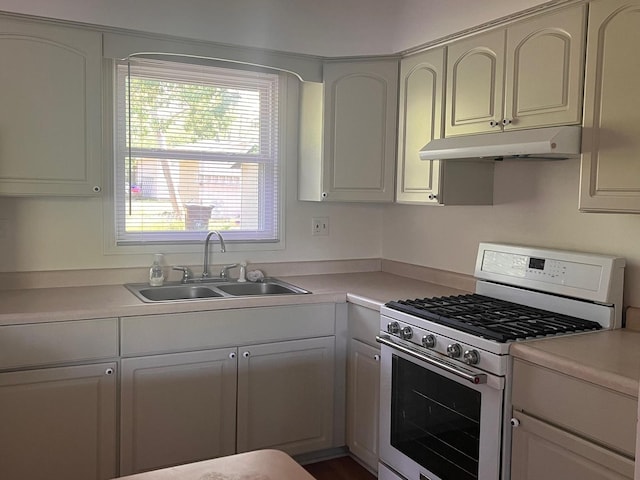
[39, 234]
[536, 203]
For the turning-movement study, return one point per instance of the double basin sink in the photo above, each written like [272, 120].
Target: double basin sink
[212, 288]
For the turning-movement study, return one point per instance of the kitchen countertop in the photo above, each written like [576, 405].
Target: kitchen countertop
[369, 289]
[610, 358]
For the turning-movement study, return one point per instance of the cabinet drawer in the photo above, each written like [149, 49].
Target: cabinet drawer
[58, 342]
[151, 334]
[606, 416]
[364, 324]
[540, 450]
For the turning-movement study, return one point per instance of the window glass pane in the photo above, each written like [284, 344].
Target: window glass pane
[197, 150]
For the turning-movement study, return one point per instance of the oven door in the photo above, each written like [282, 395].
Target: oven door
[438, 420]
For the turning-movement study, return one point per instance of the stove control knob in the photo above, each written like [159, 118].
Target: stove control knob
[406, 333]
[454, 350]
[429, 341]
[393, 327]
[471, 357]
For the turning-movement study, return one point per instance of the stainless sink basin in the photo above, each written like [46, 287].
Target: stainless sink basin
[262, 288]
[174, 291]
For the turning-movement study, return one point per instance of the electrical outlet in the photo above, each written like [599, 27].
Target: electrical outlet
[320, 226]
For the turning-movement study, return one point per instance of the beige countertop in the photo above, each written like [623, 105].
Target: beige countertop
[369, 289]
[608, 358]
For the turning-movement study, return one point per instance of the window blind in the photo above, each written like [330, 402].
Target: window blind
[197, 150]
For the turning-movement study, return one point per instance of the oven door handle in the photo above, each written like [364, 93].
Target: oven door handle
[475, 378]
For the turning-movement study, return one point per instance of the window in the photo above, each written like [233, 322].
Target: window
[197, 150]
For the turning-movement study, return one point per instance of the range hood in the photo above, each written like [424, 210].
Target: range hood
[545, 143]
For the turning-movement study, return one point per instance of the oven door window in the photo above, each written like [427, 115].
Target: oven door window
[435, 421]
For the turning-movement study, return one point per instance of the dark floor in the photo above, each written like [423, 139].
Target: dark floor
[343, 468]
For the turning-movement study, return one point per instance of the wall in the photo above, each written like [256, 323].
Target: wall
[326, 28]
[535, 203]
[40, 234]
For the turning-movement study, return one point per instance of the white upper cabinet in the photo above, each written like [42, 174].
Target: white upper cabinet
[420, 121]
[524, 76]
[50, 120]
[610, 173]
[348, 133]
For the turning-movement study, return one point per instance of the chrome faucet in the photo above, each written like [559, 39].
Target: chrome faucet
[205, 268]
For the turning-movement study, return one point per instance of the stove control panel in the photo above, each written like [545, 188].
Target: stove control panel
[455, 349]
[583, 275]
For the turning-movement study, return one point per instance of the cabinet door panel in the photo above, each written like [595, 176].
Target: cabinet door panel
[544, 70]
[177, 408]
[360, 130]
[420, 121]
[363, 401]
[540, 450]
[475, 84]
[610, 171]
[285, 396]
[58, 423]
[50, 124]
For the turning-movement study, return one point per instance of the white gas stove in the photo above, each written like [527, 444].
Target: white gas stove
[445, 372]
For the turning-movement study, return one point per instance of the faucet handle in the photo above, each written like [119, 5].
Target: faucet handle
[186, 273]
[224, 271]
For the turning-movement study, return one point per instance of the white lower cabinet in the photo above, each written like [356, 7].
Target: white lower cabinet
[206, 384]
[285, 395]
[567, 428]
[363, 385]
[363, 399]
[541, 450]
[58, 423]
[177, 408]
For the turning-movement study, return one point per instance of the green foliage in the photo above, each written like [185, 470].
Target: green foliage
[172, 114]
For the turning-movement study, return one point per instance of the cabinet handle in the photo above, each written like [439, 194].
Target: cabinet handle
[515, 422]
[432, 196]
[108, 371]
[232, 355]
[507, 121]
[493, 123]
[325, 194]
[245, 354]
[376, 357]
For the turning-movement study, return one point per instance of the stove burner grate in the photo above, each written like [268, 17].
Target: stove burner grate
[491, 318]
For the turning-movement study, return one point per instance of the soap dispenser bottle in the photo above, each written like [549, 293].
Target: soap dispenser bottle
[156, 274]
[243, 272]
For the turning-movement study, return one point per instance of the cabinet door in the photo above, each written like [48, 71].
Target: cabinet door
[177, 408]
[363, 401]
[285, 395]
[475, 71]
[58, 423]
[544, 70]
[540, 450]
[610, 170]
[50, 123]
[420, 121]
[360, 130]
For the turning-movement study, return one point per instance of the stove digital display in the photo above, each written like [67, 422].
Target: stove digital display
[536, 263]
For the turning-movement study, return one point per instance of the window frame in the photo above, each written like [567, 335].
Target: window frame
[270, 177]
